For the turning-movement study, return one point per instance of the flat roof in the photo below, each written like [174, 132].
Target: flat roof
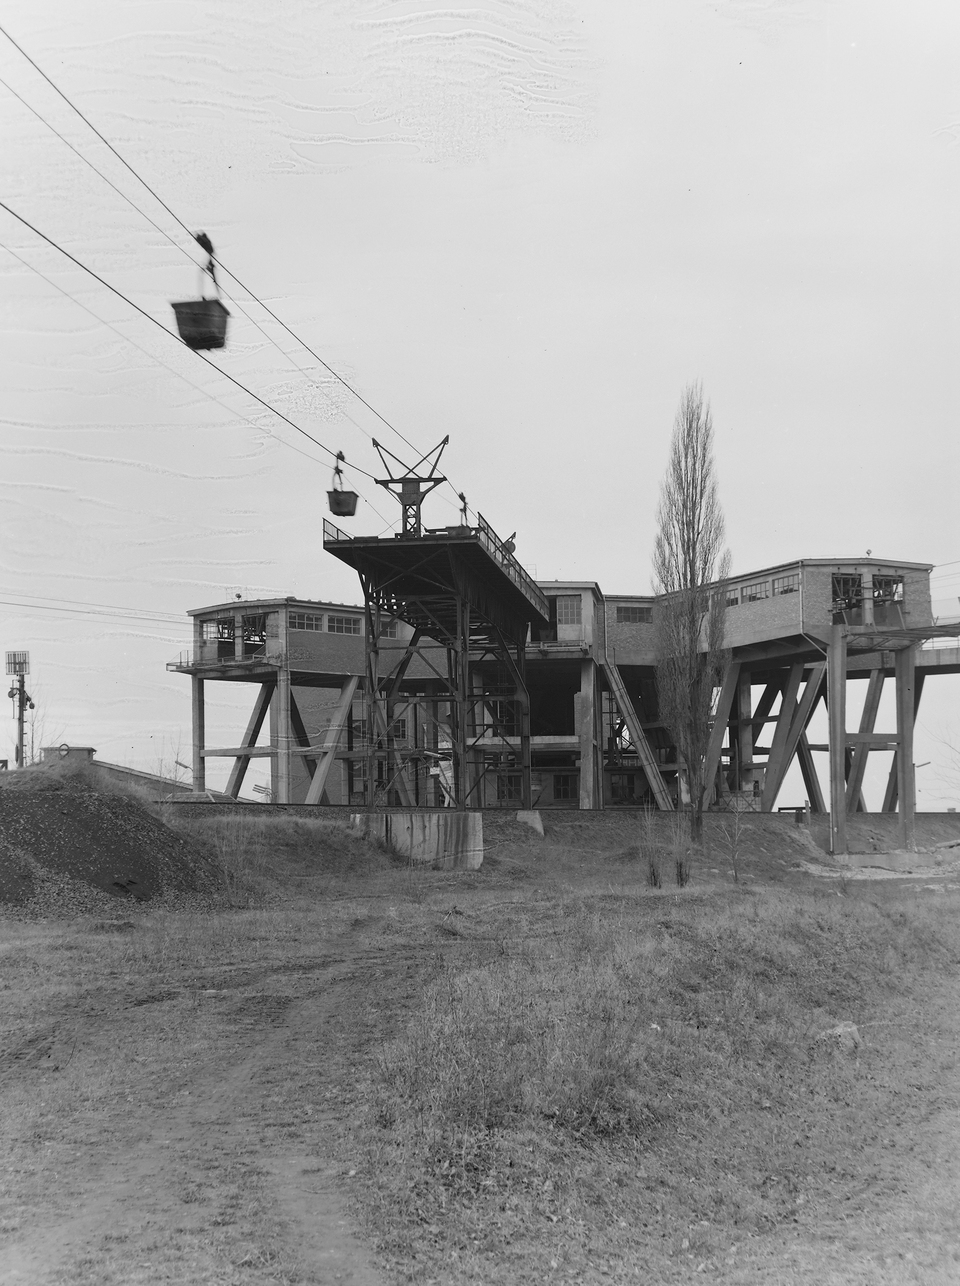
[261, 604]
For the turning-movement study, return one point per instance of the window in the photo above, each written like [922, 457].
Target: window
[254, 634]
[509, 786]
[623, 787]
[846, 591]
[564, 785]
[753, 593]
[786, 584]
[568, 609]
[217, 631]
[888, 600]
[220, 632]
[343, 625]
[888, 589]
[388, 629]
[634, 615]
[733, 598]
[398, 729]
[306, 621]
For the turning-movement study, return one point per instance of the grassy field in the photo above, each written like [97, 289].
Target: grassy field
[348, 1070]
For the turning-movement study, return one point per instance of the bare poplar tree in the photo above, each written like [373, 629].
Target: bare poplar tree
[688, 559]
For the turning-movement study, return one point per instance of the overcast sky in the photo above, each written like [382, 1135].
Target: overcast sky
[525, 223]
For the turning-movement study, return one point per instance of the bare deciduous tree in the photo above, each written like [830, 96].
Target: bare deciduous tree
[688, 559]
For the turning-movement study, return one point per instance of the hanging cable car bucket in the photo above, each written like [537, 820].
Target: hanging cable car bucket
[202, 323]
[343, 504]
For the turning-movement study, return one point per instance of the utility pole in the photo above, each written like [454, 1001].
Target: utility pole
[18, 664]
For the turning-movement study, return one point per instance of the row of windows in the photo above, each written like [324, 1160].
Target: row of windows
[313, 622]
[569, 611]
[335, 624]
[510, 786]
[761, 589]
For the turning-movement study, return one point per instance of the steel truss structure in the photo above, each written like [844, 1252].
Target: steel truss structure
[462, 672]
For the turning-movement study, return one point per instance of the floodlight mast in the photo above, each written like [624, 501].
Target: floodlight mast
[18, 664]
[411, 487]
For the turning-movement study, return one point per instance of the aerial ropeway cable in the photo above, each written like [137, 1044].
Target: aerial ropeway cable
[202, 322]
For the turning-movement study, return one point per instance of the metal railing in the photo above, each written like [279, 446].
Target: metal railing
[194, 658]
[494, 546]
[524, 582]
[942, 642]
[332, 532]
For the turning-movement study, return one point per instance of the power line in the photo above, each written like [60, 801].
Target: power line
[119, 614]
[143, 312]
[179, 374]
[197, 387]
[222, 265]
[79, 602]
[153, 357]
[90, 124]
[177, 246]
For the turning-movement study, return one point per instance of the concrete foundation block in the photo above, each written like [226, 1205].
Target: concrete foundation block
[443, 839]
[531, 818]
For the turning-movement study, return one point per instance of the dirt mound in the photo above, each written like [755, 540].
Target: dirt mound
[67, 846]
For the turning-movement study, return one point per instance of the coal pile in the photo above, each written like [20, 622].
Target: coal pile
[68, 847]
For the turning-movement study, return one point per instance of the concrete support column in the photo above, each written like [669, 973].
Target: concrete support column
[588, 734]
[905, 672]
[199, 733]
[523, 697]
[745, 776]
[867, 583]
[837, 708]
[284, 737]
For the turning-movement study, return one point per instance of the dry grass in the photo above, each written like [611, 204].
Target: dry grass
[516, 1072]
[261, 858]
[642, 1087]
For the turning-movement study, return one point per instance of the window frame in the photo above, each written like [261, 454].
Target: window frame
[786, 584]
[334, 623]
[312, 622]
[644, 614]
[567, 600]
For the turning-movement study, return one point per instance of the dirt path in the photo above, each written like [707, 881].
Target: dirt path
[191, 1123]
[216, 1155]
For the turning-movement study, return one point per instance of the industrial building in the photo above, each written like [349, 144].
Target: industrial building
[542, 694]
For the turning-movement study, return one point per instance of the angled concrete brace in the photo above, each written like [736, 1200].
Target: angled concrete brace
[255, 723]
[859, 753]
[891, 795]
[810, 779]
[776, 761]
[647, 759]
[300, 734]
[728, 692]
[327, 750]
[758, 719]
[797, 738]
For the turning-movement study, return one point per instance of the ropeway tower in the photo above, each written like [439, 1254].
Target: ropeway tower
[470, 604]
